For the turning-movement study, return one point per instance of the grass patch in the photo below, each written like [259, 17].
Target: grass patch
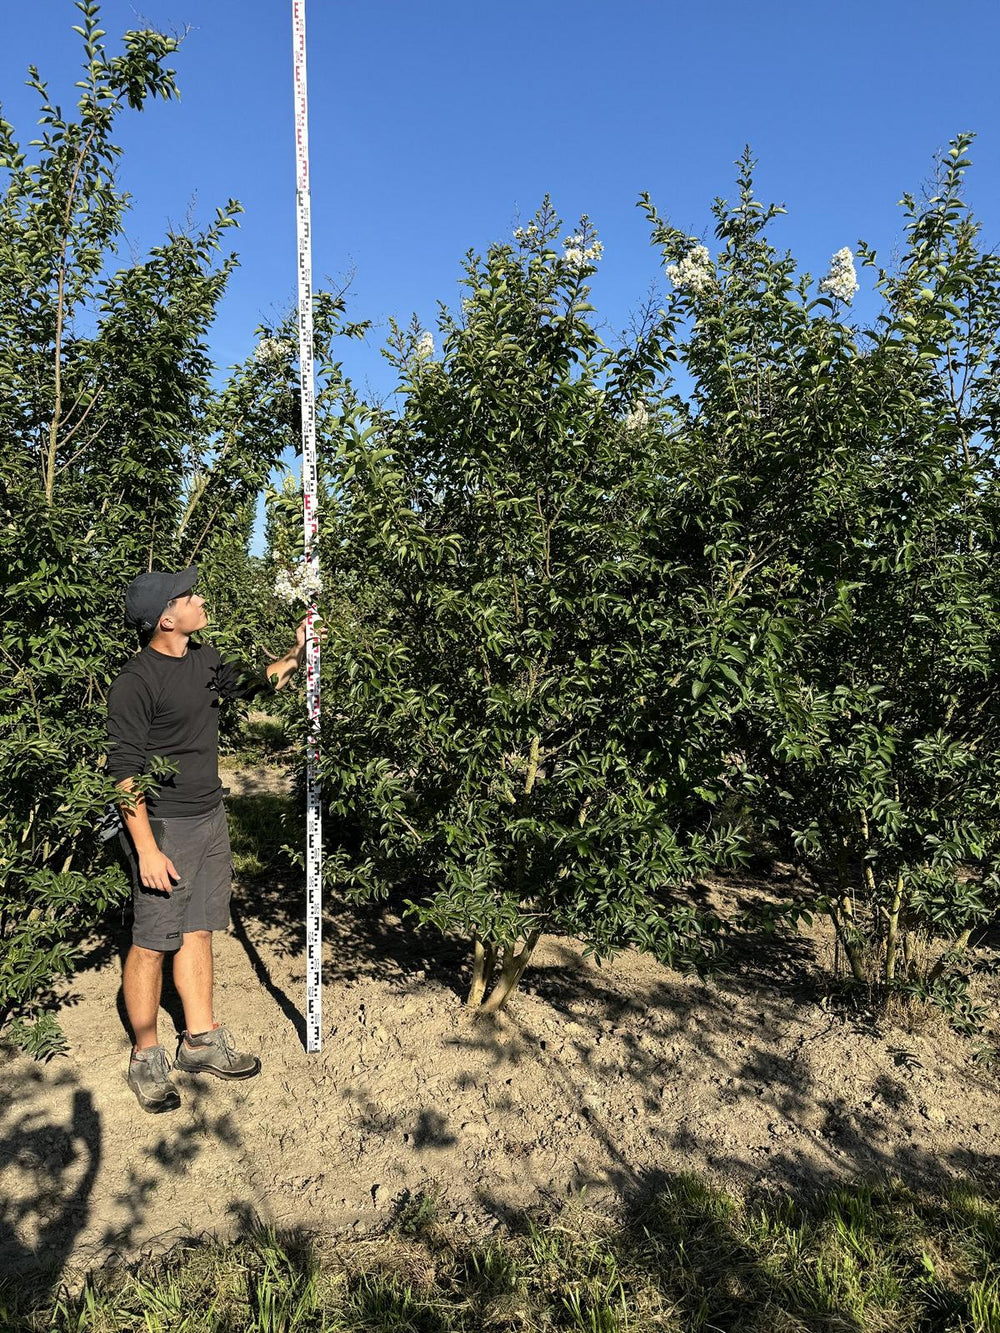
[256, 739]
[692, 1258]
[259, 826]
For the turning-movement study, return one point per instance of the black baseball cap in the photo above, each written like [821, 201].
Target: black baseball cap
[147, 596]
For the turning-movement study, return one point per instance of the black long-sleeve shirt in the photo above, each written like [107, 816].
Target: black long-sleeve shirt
[169, 706]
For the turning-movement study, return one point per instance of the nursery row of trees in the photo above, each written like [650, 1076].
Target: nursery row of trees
[601, 618]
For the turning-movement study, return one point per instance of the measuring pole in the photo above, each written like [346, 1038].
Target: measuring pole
[314, 825]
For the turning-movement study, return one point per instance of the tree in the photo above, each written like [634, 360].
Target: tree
[861, 475]
[511, 719]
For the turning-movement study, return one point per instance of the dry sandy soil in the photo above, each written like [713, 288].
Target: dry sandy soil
[609, 1078]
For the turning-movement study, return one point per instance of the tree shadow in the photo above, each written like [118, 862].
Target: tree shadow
[364, 940]
[705, 1082]
[39, 1229]
[658, 1071]
[172, 1153]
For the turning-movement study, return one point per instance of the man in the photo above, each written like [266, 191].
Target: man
[165, 702]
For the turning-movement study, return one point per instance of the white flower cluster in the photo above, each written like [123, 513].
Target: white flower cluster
[694, 273]
[578, 254]
[425, 345]
[301, 584]
[274, 351]
[525, 235]
[842, 281]
[638, 416]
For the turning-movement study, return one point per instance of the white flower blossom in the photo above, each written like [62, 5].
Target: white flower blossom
[578, 254]
[694, 273]
[274, 351]
[425, 345]
[300, 584]
[525, 235]
[842, 281]
[638, 416]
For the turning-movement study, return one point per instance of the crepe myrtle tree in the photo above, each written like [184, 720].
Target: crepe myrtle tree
[860, 469]
[108, 430]
[512, 726]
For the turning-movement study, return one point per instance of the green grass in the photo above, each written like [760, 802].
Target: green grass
[259, 825]
[255, 740]
[859, 1260]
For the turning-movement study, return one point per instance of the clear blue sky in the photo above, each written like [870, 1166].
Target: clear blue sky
[437, 127]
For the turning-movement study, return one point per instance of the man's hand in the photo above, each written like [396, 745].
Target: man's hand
[300, 638]
[157, 871]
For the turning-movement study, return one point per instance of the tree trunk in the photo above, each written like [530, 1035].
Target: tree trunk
[514, 963]
[890, 939]
[511, 972]
[960, 943]
[483, 964]
[866, 866]
[842, 916]
[841, 913]
[908, 949]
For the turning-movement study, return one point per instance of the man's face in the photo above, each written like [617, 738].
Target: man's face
[185, 613]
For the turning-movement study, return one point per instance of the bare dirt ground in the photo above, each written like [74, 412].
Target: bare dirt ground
[609, 1078]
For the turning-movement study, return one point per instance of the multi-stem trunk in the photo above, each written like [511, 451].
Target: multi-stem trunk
[893, 929]
[512, 961]
[483, 963]
[512, 966]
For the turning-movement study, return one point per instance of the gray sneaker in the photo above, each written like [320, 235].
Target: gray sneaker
[214, 1053]
[149, 1079]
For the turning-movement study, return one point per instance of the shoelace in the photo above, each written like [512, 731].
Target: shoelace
[227, 1043]
[156, 1063]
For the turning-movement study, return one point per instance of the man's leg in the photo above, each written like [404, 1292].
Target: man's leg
[142, 980]
[193, 978]
[204, 1047]
[155, 932]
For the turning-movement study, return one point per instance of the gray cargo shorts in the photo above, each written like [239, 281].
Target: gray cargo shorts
[198, 845]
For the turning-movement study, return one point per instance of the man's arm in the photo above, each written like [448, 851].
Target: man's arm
[235, 682]
[130, 712]
[281, 671]
[156, 871]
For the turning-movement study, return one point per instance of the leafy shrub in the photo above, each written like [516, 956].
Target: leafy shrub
[583, 618]
[513, 718]
[858, 504]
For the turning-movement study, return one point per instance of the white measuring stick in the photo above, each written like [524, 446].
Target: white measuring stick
[314, 819]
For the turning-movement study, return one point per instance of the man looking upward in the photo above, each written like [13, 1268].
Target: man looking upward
[165, 702]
